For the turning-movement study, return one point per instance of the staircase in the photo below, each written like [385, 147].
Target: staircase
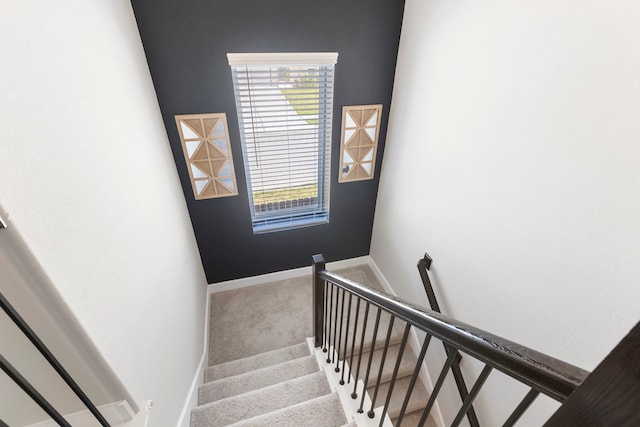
[361, 338]
[289, 387]
[283, 387]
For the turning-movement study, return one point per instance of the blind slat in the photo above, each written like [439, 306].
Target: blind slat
[285, 115]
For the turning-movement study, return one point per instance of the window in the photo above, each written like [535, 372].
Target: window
[285, 108]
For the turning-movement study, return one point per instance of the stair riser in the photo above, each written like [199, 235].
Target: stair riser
[251, 404]
[232, 386]
[259, 361]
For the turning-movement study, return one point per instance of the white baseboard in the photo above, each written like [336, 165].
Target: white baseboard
[191, 400]
[383, 280]
[116, 413]
[283, 275]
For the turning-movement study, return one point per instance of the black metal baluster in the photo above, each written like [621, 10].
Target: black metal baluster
[438, 386]
[329, 318]
[346, 340]
[372, 414]
[354, 395]
[335, 325]
[50, 358]
[325, 320]
[353, 340]
[373, 345]
[523, 406]
[392, 383]
[32, 392]
[337, 369]
[472, 395]
[414, 378]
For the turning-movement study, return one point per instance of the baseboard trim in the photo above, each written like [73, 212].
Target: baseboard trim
[283, 275]
[116, 413]
[190, 401]
[383, 280]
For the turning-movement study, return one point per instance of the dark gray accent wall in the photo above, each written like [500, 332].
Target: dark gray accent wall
[186, 43]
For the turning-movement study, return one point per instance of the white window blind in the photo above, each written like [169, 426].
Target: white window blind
[285, 106]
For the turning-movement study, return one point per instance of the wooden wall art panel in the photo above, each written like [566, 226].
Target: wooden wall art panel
[359, 142]
[207, 151]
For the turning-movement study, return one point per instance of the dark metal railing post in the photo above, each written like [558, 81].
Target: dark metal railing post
[335, 323]
[437, 387]
[318, 300]
[337, 368]
[371, 413]
[414, 378]
[353, 340]
[523, 406]
[346, 339]
[373, 347]
[325, 344]
[354, 394]
[394, 376]
[329, 317]
[424, 265]
[472, 395]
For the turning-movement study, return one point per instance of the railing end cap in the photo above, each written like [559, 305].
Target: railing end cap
[427, 261]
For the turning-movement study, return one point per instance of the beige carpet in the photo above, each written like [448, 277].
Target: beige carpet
[253, 320]
[248, 322]
[284, 387]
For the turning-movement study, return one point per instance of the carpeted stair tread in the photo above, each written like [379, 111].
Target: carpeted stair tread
[251, 363]
[413, 419]
[254, 403]
[324, 411]
[264, 377]
[418, 400]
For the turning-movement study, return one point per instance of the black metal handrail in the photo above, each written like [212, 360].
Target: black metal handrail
[424, 264]
[544, 374]
[51, 359]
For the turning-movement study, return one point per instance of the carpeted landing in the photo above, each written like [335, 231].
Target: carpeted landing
[262, 371]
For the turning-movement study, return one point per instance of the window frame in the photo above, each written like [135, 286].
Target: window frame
[291, 213]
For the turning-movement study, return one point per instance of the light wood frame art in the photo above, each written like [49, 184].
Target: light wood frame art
[207, 151]
[359, 142]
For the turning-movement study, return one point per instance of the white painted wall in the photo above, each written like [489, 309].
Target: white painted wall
[26, 286]
[87, 176]
[513, 158]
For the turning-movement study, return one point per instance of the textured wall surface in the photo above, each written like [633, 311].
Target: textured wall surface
[87, 177]
[186, 45]
[513, 158]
